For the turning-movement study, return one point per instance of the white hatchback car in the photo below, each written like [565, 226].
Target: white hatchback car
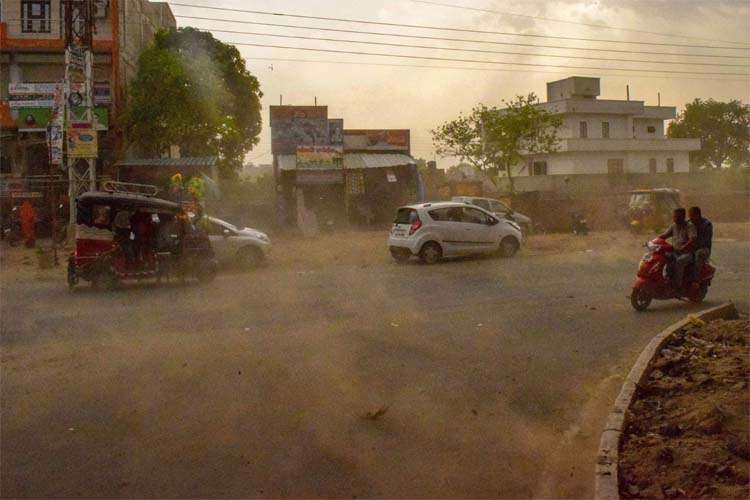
[246, 247]
[450, 229]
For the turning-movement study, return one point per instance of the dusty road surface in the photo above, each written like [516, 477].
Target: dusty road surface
[331, 372]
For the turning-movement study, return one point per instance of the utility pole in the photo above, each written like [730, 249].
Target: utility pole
[79, 130]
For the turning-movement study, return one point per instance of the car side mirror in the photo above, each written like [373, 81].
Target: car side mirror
[492, 221]
[226, 233]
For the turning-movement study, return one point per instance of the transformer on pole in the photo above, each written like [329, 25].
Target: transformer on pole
[79, 128]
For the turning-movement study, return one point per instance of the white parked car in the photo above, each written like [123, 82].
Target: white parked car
[247, 247]
[499, 209]
[449, 229]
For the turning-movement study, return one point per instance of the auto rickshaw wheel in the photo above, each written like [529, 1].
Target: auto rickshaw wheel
[72, 277]
[105, 279]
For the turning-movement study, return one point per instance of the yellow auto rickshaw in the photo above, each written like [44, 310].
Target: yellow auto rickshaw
[650, 210]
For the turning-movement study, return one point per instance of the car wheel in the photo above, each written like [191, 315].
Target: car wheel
[400, 255]
[431, 253]
[250, 257]
[206, 271]
[508, 247]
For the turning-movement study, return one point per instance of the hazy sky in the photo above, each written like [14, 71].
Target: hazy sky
[421, 98]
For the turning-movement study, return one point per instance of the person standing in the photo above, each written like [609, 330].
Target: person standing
[702, 247]
[683, 236]
[28, 223]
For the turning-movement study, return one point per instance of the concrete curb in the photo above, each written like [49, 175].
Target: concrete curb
[606, 486]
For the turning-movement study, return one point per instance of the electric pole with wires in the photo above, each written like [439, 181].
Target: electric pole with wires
[79, 129]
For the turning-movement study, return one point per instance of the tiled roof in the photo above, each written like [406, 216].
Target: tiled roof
[353, 161]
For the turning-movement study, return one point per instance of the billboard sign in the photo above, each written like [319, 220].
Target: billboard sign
[82, 143]
[320, 157]
[377, 140]
[336, 131]
[42, 95]
[293, 126]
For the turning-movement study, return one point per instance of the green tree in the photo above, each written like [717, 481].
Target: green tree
[194, 91]
[495, 140]
[723, 128]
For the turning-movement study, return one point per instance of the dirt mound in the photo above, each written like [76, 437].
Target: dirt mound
[688, 429]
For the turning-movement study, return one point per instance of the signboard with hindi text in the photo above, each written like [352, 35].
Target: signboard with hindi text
[385, 140]
[320, 157]
[82, 143]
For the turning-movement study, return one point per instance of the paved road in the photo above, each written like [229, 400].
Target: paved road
[495, 377]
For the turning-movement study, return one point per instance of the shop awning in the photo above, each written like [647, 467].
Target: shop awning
[355, 161]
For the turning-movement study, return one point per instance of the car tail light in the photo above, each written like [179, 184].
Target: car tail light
[415, 226]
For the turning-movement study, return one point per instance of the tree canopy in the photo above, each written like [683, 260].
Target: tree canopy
[496, 139]
[723, 128]
[194, 91]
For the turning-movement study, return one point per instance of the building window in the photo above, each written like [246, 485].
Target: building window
[539, 168]
[605, 130]
[35, 16]
[651, 129]
[5, 165]
[584, 130]
[615, 166]
[652, 166]
[670, 165]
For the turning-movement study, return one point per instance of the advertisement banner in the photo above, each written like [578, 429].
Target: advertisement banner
[377, 140]
[76, 59]
[319, 157]
[82, 143]
[55, 144]
[293, 126]
[42, 95]
[336, 131]
[31, 88]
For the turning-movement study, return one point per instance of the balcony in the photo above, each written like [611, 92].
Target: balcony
[595, 106]
[47, 34]
[601, 145]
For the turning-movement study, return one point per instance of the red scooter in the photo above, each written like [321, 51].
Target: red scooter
[652, 281]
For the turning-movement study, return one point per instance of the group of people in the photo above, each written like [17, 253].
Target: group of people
[691, 235]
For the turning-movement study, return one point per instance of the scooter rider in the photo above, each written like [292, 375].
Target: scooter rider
[683, 235]
[702, 248]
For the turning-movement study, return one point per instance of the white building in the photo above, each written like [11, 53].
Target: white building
[603, 136]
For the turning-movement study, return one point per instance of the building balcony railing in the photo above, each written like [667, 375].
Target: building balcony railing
[595, 145]
[45, 34]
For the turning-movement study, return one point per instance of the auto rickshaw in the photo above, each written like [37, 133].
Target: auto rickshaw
[123, 236]
[650, 210]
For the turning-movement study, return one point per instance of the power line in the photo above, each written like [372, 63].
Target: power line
[445, 28]
[466, 40]
[456, 49]
[431, 58]
[474, 68]
[565, 21]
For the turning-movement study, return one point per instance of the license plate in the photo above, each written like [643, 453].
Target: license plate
[400, 230]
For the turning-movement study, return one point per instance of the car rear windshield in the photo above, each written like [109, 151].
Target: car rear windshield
[406, 216]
